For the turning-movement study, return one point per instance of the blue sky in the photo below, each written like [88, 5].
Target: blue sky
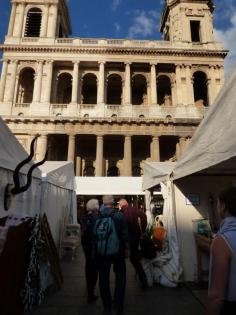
[133, 19]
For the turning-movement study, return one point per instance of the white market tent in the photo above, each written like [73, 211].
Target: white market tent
[207, 166]
[58, 195]
[11, 154]
[52, 192]
[213, 146]
[95, 186]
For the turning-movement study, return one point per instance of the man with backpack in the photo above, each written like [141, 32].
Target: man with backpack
[111, 234]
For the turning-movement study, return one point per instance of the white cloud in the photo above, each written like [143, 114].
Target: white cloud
[228, 37]
[144, 24]
[117, 27]
[115, 4]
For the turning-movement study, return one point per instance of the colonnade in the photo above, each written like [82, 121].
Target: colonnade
[99, 163]
[181, 92]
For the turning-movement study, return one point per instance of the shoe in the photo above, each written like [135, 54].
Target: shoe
[92, 298]
[118, 308]
[107, 310]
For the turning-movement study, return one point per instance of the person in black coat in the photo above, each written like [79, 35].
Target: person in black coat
[91, 266]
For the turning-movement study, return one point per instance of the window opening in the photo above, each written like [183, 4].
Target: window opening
[33, 23]
[195, 31]
[200, 89]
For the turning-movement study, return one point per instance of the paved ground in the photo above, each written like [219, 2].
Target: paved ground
[71, 300]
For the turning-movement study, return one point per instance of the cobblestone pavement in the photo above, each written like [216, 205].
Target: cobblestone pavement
[71, 300]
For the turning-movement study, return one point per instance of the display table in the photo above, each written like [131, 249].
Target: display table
[203, 245]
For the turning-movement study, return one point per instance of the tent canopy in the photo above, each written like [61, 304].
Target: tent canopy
[60, 174]
[12, 152]
[94, 186]
[215, 139]
[156, 172]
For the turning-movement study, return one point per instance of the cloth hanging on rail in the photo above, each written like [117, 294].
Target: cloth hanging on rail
[3, 237]
[32, 293]
[13, 266]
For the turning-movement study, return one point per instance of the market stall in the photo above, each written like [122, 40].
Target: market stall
[58, 195]
[207, 167]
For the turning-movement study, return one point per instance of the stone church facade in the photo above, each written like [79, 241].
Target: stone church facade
[109, 105]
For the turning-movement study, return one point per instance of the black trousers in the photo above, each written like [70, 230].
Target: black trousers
[135, 261]
[91, 271]
[229, 308]
[119, 268]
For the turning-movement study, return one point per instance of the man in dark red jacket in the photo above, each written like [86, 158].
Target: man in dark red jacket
[137, 223]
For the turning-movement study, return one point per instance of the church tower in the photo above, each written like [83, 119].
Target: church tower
[188, 21]
[39, 18]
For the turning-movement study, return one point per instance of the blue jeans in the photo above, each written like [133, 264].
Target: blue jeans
[119, 269]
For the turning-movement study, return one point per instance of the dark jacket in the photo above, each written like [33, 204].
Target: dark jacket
[87, 224]
[137, 222]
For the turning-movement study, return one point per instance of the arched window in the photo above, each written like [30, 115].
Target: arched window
[164, 90]
[64, 88]
[113, 171]
[89, 89]
[139, 90]
[200, 89]
[114, 89]
[33, 23]
[26, 86]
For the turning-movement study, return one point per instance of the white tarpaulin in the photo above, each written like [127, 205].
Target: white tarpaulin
[109, 186]
[172, 269]
[11, 151]
[11, 154]
[215, 139]
[58, 173]
[58, 195]
[156, 172]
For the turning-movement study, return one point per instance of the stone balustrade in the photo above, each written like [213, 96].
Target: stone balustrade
[82, 42]
[104, 111]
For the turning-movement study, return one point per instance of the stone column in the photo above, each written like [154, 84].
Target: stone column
[127, 84]
[101, 83]
[182, 144]
[12, 20]
[71, 148]
[78, 166]
[19, 26]
[38, 82]
[75, 82]
[49, 81]
[173, 92]
[3, 80]
[190, 91]
[30, 139]
[52, 23]
[44, 26]
[99, 156]
[211, 85]
[127, 156]
[43, 142]
[153, 84]
[177, 151]
[11, 90]
[155, 149]
[180, 88]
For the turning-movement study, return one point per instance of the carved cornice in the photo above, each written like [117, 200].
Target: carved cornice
[191, 122]
[115, 51]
